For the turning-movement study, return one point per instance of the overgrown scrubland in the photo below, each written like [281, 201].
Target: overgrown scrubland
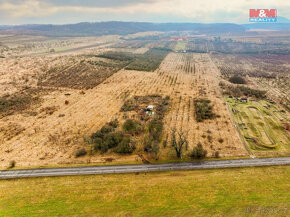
[144, 131]
[267, 72]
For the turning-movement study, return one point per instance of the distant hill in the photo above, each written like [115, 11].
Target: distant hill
[269, 26]
[3, 26]
[120, 28]
[283, 20]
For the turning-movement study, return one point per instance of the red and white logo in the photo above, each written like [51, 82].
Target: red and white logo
[263, 15]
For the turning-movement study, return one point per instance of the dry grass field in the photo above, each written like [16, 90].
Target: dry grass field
[51, 103]
[28, 45]
[53, 131]
[191, 76]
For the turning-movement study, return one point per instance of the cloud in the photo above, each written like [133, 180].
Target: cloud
[29, 8]
[193, 11]
[96, 3]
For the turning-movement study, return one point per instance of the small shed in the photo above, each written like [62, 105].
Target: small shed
[244, 100]
[150, 108]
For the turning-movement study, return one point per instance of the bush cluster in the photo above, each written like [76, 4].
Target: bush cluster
[17, 101]
[108, 137]
[259, 94]
[132, 127]
[237, 80]
[151, 128]
[129, 105]
[81, 152]
[155, 129]
[121, 56]
[153, 137]
[203, 110]
[242, 91]
[151, 146]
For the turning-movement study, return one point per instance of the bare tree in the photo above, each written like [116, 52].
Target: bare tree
[178, 143]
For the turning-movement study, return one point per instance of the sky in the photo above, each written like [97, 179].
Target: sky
[15, 12]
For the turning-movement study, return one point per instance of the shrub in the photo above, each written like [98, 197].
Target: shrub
[151, 146]
[237, 80]
[129, 105]
[102, 132]
[114, 123]
[113, 139]
[108, 138]
[147, 143]
[126, 146]
[107, 141]
[81, 152]
[98, 144]
[155, 128]
[221, 140]
[133, 127]
[217, 154]
[12, 164]
[97, 134]
[155, 150]
[198, 152]
[107, 129]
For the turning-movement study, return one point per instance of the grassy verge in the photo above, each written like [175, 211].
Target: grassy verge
[262, 191]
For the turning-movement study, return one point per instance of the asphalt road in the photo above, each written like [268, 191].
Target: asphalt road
[13, 174]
